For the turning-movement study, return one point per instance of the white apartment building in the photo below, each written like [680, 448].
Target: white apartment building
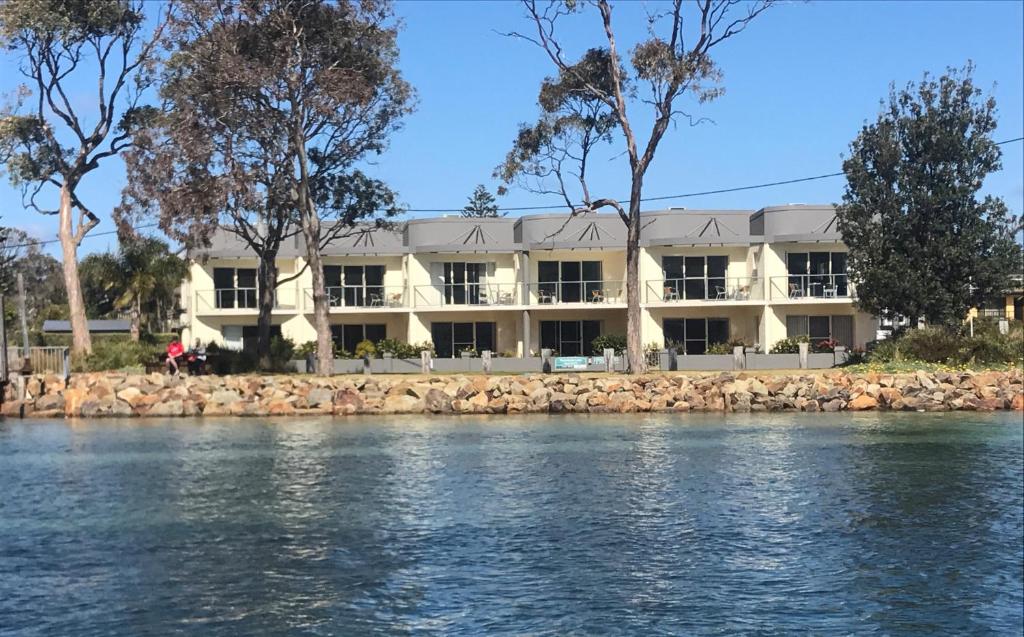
[516, 285]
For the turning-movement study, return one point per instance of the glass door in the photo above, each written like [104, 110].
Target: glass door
[716, 269]
[695, 285]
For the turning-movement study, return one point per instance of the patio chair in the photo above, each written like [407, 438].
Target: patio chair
[395, 299]
[720, 293]
[795, 291]
[670, 293]
[743, 293]
[597, 296]
[376, 300]
[830, 291]
[546, 296]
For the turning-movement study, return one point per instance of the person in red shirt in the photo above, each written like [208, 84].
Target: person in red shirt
[174, 350]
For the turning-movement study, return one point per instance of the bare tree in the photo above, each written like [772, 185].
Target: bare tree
[65, 44]
[588, 103]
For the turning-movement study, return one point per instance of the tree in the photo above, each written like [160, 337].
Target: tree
[44, 283]
[66, 44]
[588, 104]
[922, 243]
[141, 279]
[342, 96]
[480, 204]
[216, 157]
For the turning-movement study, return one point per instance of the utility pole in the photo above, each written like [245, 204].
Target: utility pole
[3, 351]
[24, 321]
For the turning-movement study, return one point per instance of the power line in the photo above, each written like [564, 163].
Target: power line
[549, 207]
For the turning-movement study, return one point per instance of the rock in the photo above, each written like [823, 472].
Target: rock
[319, 397]
[832, 405]
[49, 402]
[224, 397]
[436, 401]
[1017, 402]
[862, 402]
[402, 404]
[924, 379]
[167, 408]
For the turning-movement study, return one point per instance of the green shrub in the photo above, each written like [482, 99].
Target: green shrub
[401, 349]
[616, 342]
[719, 348]
[946, 346]
[366, 349]
[930, 344]
[108, 354]
[789, 345]
[303, 351]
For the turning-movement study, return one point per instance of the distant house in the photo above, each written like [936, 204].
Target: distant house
[98, 326]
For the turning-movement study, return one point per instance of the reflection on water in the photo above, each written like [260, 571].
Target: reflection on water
[887, 523]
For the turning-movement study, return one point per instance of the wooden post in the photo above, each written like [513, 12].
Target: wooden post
[609, 359]
[24, 323]
[804, 347]
[739, 359]
[485, 360]
[425, 362]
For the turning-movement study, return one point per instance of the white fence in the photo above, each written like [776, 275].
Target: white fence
[43, 360]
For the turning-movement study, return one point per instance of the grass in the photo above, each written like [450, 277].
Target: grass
[909, 367]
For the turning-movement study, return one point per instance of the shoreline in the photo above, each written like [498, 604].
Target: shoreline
[113, 394]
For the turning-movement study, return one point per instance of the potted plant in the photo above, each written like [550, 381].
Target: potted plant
[468, 352]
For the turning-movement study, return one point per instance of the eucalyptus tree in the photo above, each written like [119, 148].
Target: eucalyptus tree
[592, 101]
[923, 242]
[60, 133]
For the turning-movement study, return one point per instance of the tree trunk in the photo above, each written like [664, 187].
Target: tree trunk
[81, 341]
[136, 320]
[266, 281]
[321, 309]
[634, 342]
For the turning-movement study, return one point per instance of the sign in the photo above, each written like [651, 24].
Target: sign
[570, 362]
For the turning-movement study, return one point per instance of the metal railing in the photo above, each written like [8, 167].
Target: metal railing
[242, 299]
[563, 292]
[43, 360]
[474, 294]
[341, 296]
[992, 312]
[705, 289]
[812, 287]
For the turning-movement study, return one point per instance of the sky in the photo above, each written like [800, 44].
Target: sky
[799, 84]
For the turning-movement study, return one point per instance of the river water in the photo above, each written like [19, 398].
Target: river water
[877, 523]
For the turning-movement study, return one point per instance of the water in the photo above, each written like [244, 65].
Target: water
[881, 523]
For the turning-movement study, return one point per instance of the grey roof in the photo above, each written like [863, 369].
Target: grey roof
[461, 235]
[797, 222]
[562, 231]
[95, 326]
[225, 244]
[681, 227]
[367, 239]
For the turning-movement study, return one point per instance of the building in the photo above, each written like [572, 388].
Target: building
[516, 285]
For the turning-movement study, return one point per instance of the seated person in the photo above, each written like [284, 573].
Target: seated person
[174, 351]
[197, 359]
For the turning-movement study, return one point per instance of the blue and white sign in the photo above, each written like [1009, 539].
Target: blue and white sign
[570, 362]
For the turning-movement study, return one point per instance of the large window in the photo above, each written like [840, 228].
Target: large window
[451, 339]
[570, 338]
[817, 273]
[465, 283]
[695, 335]
[819, 328]
[695, 277]
[570, 281]
[235, 287]
[355, 285]
[348, 336]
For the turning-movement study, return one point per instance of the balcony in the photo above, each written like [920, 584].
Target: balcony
[576, 292]
[344, 297]
[242, 301]
[705, 289]
[467, 294]
[812, 287]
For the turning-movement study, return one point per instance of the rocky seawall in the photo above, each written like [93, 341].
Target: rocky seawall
[123, 395]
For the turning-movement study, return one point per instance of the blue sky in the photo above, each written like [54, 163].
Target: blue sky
[800, 82]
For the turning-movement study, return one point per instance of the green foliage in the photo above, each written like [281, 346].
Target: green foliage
[481, 204]
[616, 342]
[923, 242]
[943, 345]
[789, 345]
[719, 348]
[365, 349]
[118, 354]
[304, 350]
[401, 349]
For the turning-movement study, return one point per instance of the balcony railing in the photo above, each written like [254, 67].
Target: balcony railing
[563, 292]
[462, 294]
[812, 287]
[992, 312]
[705, 289]
[371, 296]
[234, 299]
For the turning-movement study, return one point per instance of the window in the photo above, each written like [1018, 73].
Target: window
[569, 281]
[451, 339]
[817, 273]
[348, 336]
[243, 337]
[695, 277]
[354, 285]
[234, 287]
[694, 336]
[465, 283]
[819, 328]
[570, 338]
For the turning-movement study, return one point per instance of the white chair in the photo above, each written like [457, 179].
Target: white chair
[720, 293]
